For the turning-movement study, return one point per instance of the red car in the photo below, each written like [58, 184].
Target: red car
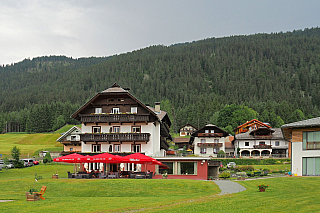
[35, 162]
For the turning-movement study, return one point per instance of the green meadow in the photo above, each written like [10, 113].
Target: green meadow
[29, 144]
[285, 194]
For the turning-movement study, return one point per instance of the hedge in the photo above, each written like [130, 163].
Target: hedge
[250, 161]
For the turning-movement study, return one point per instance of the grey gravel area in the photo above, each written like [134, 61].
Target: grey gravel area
[229, 187]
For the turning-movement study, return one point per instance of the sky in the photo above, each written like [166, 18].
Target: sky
[30, 28]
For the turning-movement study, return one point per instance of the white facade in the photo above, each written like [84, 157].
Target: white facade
[298, 154]
[151, 148]
[210, 148]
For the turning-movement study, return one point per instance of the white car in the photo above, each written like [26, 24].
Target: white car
[231, 164]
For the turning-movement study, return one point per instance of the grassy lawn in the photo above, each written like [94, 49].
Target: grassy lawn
[294, 194]
[275, 167]
[29, 143]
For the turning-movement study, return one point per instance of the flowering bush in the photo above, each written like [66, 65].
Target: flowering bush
[263, 186]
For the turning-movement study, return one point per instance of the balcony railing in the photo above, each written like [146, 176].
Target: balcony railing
[209, 144]
[210, 135]
[115, 137]
[114, 118]
[262, 146]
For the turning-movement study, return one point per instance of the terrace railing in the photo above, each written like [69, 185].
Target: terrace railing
[115, 137]
[114, 118]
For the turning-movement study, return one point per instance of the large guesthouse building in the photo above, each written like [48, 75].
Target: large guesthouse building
[115, 121]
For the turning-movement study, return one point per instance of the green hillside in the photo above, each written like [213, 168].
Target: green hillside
[273, 77]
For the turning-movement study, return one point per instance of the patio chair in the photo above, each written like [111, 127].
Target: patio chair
[42, 191]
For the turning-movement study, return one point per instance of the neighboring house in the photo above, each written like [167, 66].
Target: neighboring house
[181, 142]
[229, 147]
[187, 129]
[304, 137]
[115, 121]
[250, 125]
[71, 140]
[208, 141]
[261, 142]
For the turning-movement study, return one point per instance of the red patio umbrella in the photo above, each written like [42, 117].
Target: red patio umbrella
[139, 158]
[106, 158]
[72, 158]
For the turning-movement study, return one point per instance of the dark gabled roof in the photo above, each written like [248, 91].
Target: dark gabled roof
[188, 124]
[313, 122]
[276, 135]
[208, 127]
[115, 88]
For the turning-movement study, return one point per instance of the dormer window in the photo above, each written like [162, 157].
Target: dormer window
[134, 109]
[98, 110]
[115, 110]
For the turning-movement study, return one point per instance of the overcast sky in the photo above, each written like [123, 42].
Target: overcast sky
[101, 28]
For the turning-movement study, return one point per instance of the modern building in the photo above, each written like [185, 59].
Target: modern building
[304, 138]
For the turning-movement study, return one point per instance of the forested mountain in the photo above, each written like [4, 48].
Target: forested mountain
[226, 81]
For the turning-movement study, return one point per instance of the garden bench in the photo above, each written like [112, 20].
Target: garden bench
[42, 191]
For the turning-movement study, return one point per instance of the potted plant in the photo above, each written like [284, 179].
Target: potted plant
[30, 195]
[262, 187]
[55, 176]
[165, 174]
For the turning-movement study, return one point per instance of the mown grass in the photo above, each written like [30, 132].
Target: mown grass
[74, 195]
[29, 143]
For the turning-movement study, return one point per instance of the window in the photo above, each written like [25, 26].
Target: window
[117, 148]
[246, 143]
[116, 129]
[203, 140]
[71, 149]
[134, 109]
[212, 131]
[98, 110]
[215, 151]
[96, 129]
[277, 143]
[136, 129]
[203, 150]
[170, 170]
[136, 148]
[206, 131]
[189, 168]
[110, 100]
[73, 137]
[311, 140]
[115, 110]
[120, 99]
[262, 143]
[311, 166]
[96, 148]
[216, 140]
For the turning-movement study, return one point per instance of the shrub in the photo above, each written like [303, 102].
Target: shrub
[47, 158]
[225, 175]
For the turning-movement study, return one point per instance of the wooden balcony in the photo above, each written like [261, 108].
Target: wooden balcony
[210, 135]
[263, 137]
[163, 144]
[115, 137]
[76, 143]
[209, 144]
[165, 130]
[114, 118]
[262, 146]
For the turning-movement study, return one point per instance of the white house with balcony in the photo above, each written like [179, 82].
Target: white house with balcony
[208, 141]
[261, 142]
[115, 121]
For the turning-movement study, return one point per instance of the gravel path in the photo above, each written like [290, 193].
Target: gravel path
[229, 187]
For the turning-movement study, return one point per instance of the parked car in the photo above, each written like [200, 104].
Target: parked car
[1, 164]
[8, 166]
[28, 162]
[231, 165]
[35, 162]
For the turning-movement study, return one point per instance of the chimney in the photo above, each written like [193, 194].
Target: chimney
[157, 107]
